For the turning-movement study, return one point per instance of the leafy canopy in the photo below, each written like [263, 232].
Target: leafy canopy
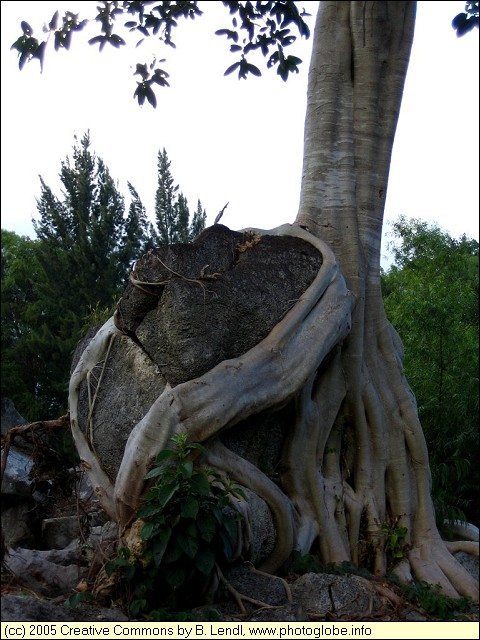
[466, 20]
[255, 26]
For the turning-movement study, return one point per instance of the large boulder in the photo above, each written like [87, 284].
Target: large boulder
[18, 499]
[187, 308]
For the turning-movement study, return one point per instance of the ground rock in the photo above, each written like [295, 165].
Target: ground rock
[58, 533]
[49, 573]
[469, 562]
[321, 594]
[17, 608]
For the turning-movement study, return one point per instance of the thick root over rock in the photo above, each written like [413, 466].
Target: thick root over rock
[355, 463]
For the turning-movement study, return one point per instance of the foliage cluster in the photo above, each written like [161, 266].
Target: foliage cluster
[435, 603]
[394, 542]
[265, 25]
[466, 20]
[256, 26]
[431, 298]
[187, 528]
[69, 278]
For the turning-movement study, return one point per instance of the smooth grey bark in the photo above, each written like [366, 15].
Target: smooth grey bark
[357, 74]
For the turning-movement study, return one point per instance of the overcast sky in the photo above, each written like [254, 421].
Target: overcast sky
[228, 140]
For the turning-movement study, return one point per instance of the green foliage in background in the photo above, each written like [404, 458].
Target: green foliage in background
[431, 298]
[20, 312]
[68, 279]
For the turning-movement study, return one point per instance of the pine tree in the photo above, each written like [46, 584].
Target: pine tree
[198, 222]
[86, 248]
[171, 208]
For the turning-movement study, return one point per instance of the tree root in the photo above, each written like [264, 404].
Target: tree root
[356, 459]
[240, 598]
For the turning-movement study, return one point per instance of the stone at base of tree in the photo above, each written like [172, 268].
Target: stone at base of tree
[16, 525]
[470, 562]
[58, 533]
[18, 500]
[321, 594]
[28, 609]
[49, 573]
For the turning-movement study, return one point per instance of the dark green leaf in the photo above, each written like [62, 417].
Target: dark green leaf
[188, 544]
[197, 446]
[190, 509]
[147, 530]
[200, 484]
[187, 469]
[155, 472]
[137, 605]
[53, 22]
[207, 525]
[175, 576]
[166, 493]
[160, 545]
[205, 561]
[26, 28]
[174, 552]
[149, 510]
[231, 68]
[77, 598]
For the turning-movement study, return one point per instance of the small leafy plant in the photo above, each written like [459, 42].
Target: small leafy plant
[437, 604]
[395, 545]
[186, 526]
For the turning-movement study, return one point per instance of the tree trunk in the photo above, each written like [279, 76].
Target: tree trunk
[381, 472]
[355, 466]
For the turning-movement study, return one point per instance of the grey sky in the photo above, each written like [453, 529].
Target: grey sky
[231, 141]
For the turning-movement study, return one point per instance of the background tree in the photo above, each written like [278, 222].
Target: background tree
[68, 278]
[53, 288]
[357, 459]
[20, 311]
[431, 298]
[171, 208]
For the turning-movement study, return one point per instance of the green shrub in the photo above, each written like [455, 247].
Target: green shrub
[187, 527]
